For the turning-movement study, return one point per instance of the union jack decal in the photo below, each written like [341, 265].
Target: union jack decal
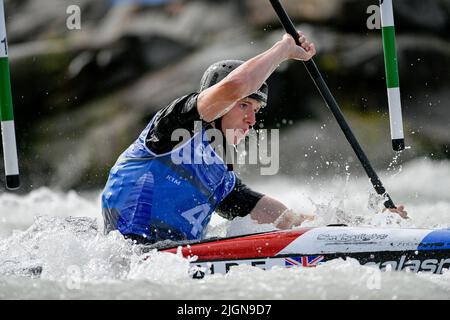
[305, 261]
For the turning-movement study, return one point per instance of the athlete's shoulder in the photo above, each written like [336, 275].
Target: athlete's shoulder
[180, 113]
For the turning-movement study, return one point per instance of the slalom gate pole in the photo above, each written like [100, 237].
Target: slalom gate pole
[332, 104]
[392, 79]
[6, 111]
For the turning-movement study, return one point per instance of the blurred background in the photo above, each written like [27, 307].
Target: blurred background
[81, 96]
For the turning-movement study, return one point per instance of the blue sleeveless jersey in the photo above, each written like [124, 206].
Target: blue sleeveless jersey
[157, 198]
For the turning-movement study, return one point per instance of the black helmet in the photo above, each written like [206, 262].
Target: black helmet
[219, 70]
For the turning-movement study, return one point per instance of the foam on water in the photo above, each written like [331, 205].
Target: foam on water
[62, 234]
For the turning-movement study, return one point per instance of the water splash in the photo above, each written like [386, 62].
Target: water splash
[61, 233]
[395, 166]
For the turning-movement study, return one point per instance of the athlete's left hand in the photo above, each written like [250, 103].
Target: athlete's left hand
[306, 217]
[400, 210]
[289, 219]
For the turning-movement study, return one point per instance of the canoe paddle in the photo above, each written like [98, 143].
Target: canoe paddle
[333, 106]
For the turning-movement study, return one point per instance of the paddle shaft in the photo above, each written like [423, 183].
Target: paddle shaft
[333, 106]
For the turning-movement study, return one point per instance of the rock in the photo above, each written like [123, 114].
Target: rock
[87, 141]
[155, 90]
[32, 20]
[352, 15]
[432, 16]
[261, 14]
[83, 96]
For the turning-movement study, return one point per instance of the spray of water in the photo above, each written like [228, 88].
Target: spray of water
[52, 246]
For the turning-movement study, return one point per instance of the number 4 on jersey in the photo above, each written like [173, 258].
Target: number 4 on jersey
[196, 222]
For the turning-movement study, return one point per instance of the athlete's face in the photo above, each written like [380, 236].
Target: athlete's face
[239, 119]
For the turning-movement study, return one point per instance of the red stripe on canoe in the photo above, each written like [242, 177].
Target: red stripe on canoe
[246, 247]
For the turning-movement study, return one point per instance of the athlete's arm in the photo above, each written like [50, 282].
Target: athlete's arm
[243, 201]
[247, 78]
[240, 202]
[269, 210]
[179, 114]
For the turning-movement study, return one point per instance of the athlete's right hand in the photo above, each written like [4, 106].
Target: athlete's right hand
[289, 219]
[400, 210]
[304, 52]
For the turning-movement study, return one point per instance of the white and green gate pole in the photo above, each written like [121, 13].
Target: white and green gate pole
[392, 79]
[6, 111]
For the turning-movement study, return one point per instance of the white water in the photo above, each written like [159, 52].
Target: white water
[79, 262]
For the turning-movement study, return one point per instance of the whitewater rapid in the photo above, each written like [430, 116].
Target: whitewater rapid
[61, 233]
